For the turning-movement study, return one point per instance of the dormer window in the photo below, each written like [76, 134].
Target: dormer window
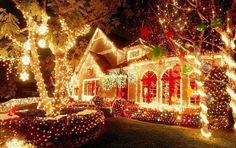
[134, 54]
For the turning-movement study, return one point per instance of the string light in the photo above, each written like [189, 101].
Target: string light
[25, 60]
[27, 45]
[24, 76]
[43, 29]
[42, 43]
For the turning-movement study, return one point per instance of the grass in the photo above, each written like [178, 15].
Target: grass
[122, 132]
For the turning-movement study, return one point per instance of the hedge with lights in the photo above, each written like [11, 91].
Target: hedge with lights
[74, 128]
[187, 119]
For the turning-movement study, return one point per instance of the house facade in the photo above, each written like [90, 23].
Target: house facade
[129, 73]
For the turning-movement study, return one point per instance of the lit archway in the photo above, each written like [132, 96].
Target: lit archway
[149, 86]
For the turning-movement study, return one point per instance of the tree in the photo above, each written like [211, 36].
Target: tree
[218, 99]
[54, 24]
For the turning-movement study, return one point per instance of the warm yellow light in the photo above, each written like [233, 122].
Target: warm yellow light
[231, 75]
[205, 134]
[196, 61]
[204, 118]
[197, 71]
[25, 60]
[42, 43]
[225, 39]
[24, 76]
[235, 126]
[231, 93]
[232, 44]
[43, 29]
[203, 107]
[27, 45]
[199, 83]
[228, 60]
[201, 93]
[14, 143]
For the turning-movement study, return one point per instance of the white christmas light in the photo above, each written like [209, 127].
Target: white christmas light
[24, 76]
[43, 29]
[225, 39]
[231, 93]
[232, 44]
[27, 45]
[42, 43]
[25, 60]
[231, 75]
[228, 60]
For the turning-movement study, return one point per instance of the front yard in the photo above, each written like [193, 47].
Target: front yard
[122, 132]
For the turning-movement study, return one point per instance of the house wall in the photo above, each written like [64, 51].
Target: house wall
[159, 68]
[89, 70]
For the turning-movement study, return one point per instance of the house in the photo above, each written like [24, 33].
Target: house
[129, 73]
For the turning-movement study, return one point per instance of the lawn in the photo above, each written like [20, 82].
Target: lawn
[122, 132]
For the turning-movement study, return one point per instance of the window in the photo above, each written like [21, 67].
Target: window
[149, 88]
[171, 87]
[90, 87]
[194, 98]
[134, 54]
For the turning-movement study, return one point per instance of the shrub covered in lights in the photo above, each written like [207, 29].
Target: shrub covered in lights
[118, 107]
[66, 129]
[187, 119]
[218, 99]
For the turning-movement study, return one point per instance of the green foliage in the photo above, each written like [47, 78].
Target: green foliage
[217, 22]
[201, 27]
[158, 52]
[185, 70]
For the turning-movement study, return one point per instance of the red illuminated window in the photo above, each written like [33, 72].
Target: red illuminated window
[149, 86]
[171, 86]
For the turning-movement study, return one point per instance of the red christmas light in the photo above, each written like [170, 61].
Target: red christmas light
[170, 34]
[145, 31]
